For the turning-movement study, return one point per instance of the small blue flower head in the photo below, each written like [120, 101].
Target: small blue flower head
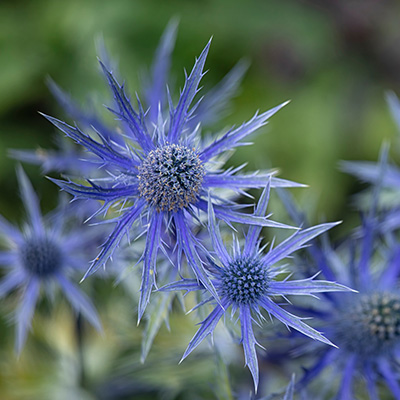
[161, 171]
[366, 325]
[246, 281]
[38, 255]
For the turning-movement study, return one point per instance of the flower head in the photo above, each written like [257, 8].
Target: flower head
[162, 171]
[246, 281]
[364, 325]
[40, 254]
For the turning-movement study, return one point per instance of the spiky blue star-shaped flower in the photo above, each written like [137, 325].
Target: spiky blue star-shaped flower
[161, 174]
[246, 280]
[40, 254]
[364, 325]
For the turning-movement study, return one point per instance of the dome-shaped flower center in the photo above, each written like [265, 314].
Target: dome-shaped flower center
[170, 178]
[41, 256]
[370, 326]
[244, 281]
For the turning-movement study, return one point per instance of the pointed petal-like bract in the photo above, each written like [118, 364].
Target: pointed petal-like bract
[184, 284]
[217, 98]
[25, 312]
[249, 343]
[232, 138]
[292, 321]
[124, 224]
[126, 112]
[394, 105]
[305, 287]
[207, 327]
[186, 242]
[156, 92]
[235, 182]
[96, 192]
[149, 261]
[229, 215]
[31, 202]
[345, 391]
[104, 151]
[252, 237]
[181, 113]
[295, 242]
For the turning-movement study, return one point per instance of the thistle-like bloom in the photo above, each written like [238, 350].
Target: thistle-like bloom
[161, 175]
[246, 281]
[365, 326]
[39, 255]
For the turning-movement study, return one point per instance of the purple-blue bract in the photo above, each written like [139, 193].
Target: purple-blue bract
[40, 254]
[245, 280]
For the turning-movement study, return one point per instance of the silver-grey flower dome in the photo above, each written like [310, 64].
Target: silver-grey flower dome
[244, 281]
[170, 178]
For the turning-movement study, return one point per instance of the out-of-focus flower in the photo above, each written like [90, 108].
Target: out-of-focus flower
[40, 254]
[246, 280]
[366, 325]
[161, 175]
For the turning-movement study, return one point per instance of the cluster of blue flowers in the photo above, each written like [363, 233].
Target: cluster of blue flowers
[158, 180]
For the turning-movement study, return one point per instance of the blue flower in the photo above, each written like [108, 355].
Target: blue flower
[246, 281]
[366, 325]
[161, 175]
[40, 254]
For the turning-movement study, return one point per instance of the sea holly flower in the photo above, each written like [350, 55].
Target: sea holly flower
[365, 326]
[41, 254]
[162, 174]
[246, 281]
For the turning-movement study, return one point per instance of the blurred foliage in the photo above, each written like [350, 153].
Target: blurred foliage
[333, 59]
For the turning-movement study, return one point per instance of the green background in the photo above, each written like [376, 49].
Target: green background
[333, 59]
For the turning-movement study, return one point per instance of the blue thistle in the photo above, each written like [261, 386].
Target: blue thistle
[246, 281]
[161, 175]
[40, 254]
[366, 325]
